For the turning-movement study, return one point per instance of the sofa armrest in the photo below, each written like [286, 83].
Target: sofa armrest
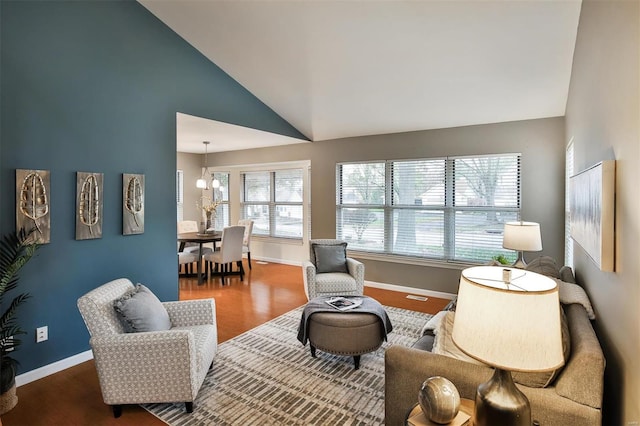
[186, 313]
[128, 363]
[309, 278]
[356, 270]
[407, 368]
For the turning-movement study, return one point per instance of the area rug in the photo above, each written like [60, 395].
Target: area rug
[266, 377]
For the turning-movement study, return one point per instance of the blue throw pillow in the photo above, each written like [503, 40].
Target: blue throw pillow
[330, 257]
[140, 310]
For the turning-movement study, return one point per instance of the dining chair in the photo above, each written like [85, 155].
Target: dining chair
[246, 241]
[185, 226]
[230, 251]
[187, 259]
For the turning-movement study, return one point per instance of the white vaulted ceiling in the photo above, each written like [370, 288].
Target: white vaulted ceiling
[337, 69]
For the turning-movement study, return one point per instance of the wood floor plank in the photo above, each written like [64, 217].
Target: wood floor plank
[72, 397]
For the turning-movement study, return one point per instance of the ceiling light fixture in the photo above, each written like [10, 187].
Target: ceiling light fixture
[202, 182]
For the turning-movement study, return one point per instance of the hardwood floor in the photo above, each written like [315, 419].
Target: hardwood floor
[72, 396]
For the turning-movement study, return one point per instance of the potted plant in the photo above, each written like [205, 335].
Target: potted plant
[16, 249]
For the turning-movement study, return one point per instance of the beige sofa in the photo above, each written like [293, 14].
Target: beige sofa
[573, 398]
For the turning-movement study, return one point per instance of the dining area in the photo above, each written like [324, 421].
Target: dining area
[208, 253]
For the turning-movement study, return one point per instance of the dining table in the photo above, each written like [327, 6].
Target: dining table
[200, 239]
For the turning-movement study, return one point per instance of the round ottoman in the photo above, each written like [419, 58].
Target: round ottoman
[345, 333]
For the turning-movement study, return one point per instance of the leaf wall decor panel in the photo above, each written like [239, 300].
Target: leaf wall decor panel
[33, 203]
[89, 205]
[132, 204]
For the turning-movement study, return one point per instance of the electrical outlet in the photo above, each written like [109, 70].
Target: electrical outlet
[42, 334]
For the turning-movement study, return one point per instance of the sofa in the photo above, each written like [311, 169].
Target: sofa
[573, 397]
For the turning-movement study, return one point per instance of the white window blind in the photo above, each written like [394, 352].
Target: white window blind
[569, 170]
[179, 193]
[222, 195]
[274, 201]
[443, 208]
[486, 195]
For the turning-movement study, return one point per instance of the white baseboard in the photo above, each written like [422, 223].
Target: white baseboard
[275, 260]
[53, 368]
[410, 290]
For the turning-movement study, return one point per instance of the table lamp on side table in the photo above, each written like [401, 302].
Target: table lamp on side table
[511, 326]
[521, 236]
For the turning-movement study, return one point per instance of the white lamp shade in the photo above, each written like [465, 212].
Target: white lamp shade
[509, 326]
[522, 236]
[201, 183]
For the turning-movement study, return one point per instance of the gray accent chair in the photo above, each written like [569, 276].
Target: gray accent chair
[350, 283]
[149, 367]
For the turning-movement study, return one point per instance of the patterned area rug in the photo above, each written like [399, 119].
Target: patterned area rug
[266, 377]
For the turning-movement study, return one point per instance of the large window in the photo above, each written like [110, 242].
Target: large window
[221, 194]
[274, 201]
[444, 208]
[180, 193]
[568, 172]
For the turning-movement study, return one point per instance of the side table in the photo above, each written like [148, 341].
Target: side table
[467, 406]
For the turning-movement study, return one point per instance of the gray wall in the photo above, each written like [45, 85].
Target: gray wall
[95, 86]
[541, 143]
[603, 117]
[191, 165]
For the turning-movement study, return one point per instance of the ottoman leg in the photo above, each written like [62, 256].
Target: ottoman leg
[356, 361]
[313, 350]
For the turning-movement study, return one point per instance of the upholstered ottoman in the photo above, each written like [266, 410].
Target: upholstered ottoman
[351, 333]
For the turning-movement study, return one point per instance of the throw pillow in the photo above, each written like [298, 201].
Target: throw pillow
[572, 293]
[544, 265]
[330, 257]
[443, 345]
[433, 323]
[140, 310]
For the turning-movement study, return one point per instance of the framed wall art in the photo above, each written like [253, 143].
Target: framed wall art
[592, 210]
[89, 205]
[33, 189]
[132, 204]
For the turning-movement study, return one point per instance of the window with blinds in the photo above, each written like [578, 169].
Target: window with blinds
[274, 201]
[569, 170]
[180, 193]
[443, 208]
[221, 194]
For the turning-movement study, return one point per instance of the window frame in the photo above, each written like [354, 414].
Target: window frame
[448, 208]
[272, 204]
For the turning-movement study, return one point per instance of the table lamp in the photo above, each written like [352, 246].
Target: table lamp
[521, 236]
[511, 325]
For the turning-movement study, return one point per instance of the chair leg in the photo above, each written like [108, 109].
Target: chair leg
[249, 259]
[313, 350]
[189, 406]
[117, 410]
[241, 269]
[356, 362]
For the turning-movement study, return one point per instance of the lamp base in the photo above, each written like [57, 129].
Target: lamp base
[520, 263]
[500, 402]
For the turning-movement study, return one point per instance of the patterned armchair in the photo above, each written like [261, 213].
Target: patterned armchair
[324, 255]
[149, 367]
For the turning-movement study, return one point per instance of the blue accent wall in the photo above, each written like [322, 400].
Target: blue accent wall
[94, 86]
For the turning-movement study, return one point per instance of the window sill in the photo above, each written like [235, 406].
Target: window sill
[408, 260]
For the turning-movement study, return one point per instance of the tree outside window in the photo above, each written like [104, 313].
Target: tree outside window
[446, 208]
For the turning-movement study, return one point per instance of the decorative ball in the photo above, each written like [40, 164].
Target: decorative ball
[439, 400]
